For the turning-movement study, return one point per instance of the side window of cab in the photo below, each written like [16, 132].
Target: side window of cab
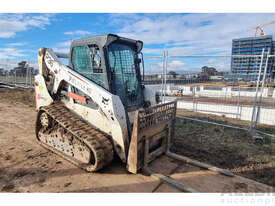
[87, 61]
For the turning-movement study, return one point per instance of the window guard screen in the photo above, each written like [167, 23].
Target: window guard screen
[83, 64]
[126, 83]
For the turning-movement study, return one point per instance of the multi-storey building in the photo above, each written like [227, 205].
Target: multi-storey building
[248, 67]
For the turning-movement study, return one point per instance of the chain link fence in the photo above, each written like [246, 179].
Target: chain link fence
[203, 89]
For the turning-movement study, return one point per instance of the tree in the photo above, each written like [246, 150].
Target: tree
[173, 73]
[2, 72]
[209, 71]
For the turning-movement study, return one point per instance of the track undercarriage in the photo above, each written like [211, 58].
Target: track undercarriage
[60, 131]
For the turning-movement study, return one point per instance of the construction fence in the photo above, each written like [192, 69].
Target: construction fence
[19, 73]
[243, 102]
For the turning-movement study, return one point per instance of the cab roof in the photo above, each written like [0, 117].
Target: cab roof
[105, 40]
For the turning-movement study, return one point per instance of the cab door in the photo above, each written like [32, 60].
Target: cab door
[125, 75]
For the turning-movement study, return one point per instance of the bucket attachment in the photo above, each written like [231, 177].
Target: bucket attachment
[153, 131]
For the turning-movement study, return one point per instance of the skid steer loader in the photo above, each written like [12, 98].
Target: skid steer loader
[97, 105]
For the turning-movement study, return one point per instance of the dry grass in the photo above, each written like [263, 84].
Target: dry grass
[226, 148]
[225, 120]
[25, 96]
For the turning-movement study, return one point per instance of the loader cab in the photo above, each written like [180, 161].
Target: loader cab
[113, 63]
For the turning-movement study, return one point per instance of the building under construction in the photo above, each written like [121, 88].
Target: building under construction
[248, 67]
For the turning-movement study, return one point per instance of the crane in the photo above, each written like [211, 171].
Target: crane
[260, 27]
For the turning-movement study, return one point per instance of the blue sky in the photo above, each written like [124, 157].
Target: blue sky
[21, 35]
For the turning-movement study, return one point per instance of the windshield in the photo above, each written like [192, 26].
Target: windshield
[125, 74]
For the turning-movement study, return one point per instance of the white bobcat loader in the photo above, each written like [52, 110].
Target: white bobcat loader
[97, 105]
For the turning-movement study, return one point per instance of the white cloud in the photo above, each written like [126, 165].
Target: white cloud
[156, 67]
[11, 53]
[191, 34]
[186, 65]
[77, 32]
[176, 63]
[8, 64]
[62, 47]
[16, 44]
[61, 50]
[10, 24]
[199, 33]
[64, 44]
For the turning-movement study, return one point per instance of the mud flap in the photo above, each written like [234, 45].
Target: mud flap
[152, 135]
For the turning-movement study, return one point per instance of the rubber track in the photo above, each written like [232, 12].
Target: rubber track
[94, 139]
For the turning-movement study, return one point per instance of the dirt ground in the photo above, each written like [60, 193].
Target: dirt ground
[27, 167]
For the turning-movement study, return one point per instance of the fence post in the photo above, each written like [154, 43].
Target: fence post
[238, 105]
[256, 93]
[30, 73]
[194, 103]
[165, 75]
[26, 75]
[162, 79]
[15, 77]
[262, 89]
